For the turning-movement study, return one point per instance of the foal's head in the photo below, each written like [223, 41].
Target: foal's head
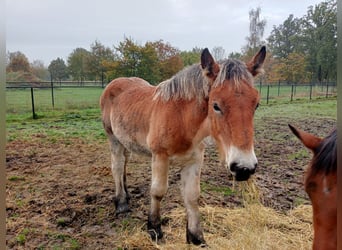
[232, 102]
[320, 184]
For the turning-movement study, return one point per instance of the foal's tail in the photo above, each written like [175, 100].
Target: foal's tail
[106, 102]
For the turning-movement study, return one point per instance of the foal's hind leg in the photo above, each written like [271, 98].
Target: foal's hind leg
[190, 178]
[119, 157]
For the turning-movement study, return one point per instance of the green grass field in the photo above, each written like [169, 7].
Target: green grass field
[19, 100]
[86, 123]
[322, 108]
[68, 98]
[76, 112]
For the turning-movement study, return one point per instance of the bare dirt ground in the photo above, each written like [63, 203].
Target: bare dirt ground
[60, 194]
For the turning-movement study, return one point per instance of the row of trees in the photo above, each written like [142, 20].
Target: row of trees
[299, 50]
[153, 61]
[305, 49]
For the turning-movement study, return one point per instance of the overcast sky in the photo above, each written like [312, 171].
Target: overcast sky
[47, 29]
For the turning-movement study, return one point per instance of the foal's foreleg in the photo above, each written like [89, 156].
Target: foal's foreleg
[160, 167]
[190, 178]
[119, 160]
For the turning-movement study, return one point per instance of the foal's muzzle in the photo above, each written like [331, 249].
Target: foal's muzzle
[242, 173]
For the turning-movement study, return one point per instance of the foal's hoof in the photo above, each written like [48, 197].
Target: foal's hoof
[154, 230]
[121, 208]
[197, 240]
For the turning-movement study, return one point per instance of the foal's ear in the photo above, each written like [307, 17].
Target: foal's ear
[209, 66]
[310, 141]
[255, 65]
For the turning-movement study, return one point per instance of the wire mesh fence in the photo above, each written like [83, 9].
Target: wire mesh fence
[34, 98]
[271, 93]
[19, 100]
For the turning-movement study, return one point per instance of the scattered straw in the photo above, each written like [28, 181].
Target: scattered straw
[253, 226]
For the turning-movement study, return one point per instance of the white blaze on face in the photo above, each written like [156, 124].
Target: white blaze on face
[243, 159]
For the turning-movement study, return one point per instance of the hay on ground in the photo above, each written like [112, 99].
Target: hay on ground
[253, 226]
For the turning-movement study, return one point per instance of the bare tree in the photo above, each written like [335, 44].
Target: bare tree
[219, 53]
[256, 31]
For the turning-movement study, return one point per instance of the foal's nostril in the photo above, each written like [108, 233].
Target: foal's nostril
[242, 173]
[233, 167]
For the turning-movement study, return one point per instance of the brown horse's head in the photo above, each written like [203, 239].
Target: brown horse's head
[320, 184]
[232, 103]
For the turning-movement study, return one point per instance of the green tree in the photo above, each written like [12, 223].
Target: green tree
[191, 57]
[133, 59]
[284, 39]
[99, 57]
[169, 59]
[235, 55]
[39, 70]
[313, 36]
[292, 68]
[128, 56]
[148, 64]
[154, 62]
[58, 70]
[77, 64]
[320, 40]
[17, 61]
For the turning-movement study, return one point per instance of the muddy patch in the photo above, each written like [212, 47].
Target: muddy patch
[62, 194]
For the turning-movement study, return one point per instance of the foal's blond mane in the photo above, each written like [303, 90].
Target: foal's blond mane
[190, 83]
[187, 84]
[232, 69]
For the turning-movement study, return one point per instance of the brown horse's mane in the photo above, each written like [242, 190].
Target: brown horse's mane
[232, 69]
[325, 159]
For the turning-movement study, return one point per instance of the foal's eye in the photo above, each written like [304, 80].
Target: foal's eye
[217, 108]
